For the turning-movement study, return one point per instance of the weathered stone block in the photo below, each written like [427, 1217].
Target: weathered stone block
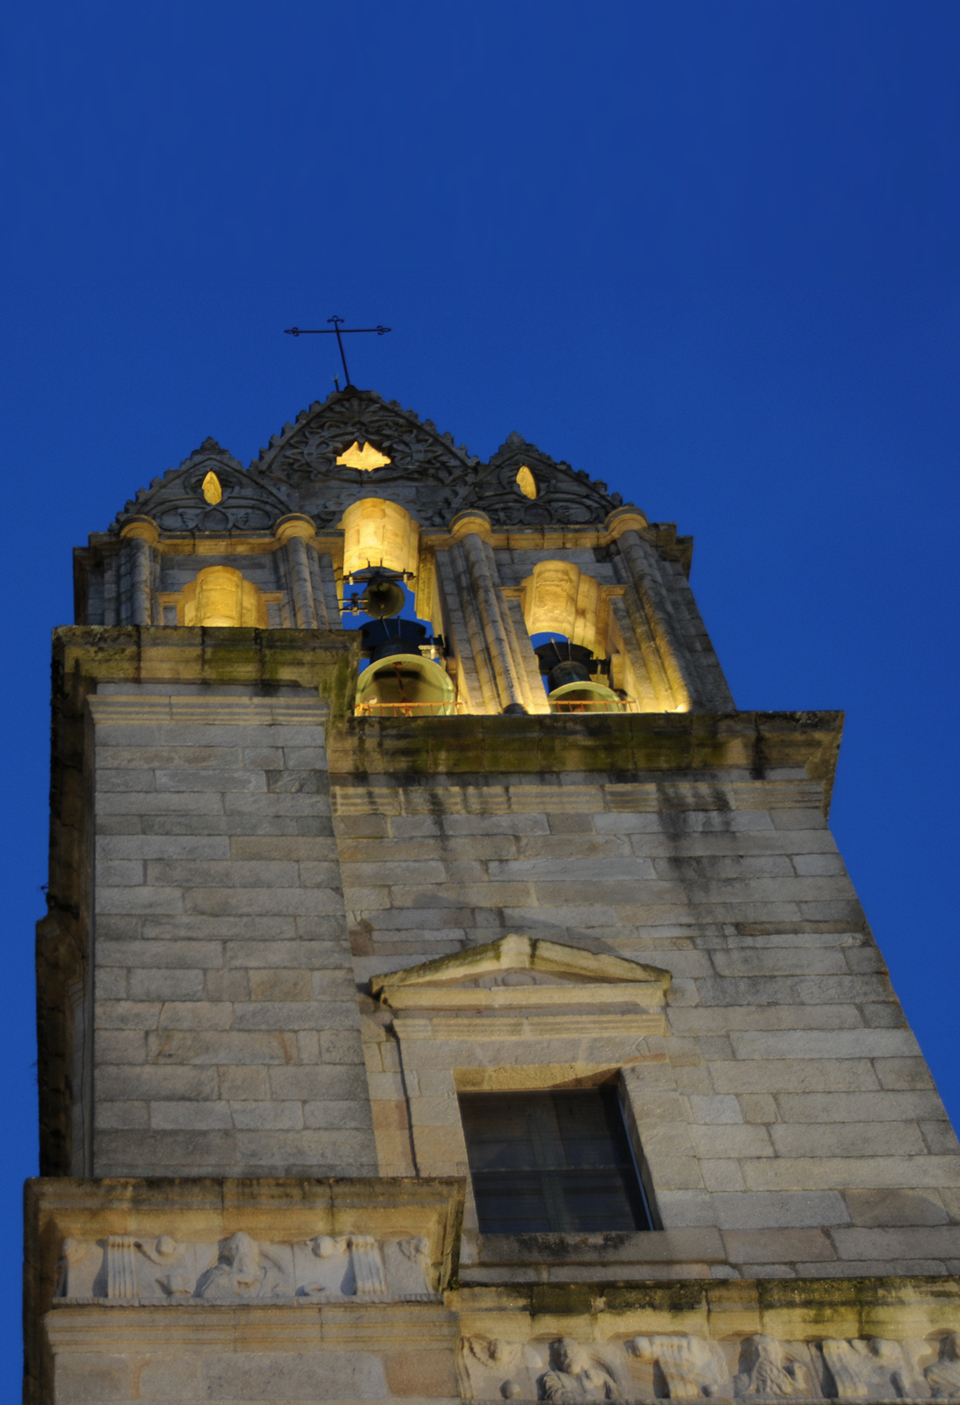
[275, 984]
[780, 1210]
[833, 1044]
[242, 1084]
[777, 1246]
[342, 1082]
[731, 1141]
[165, 983]
[195, 1014]
[189, 1115]
[847, 1139]
[879, 1208]
[267, 1115]
[903, 1242]
[151, 1082]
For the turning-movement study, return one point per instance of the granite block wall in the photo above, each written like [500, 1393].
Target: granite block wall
[226, 1023]
[787, 1112]
[244, 898]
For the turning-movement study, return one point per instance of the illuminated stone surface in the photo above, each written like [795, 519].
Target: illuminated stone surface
[283, 939]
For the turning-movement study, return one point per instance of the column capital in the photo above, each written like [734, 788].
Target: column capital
[625, 519]
[295, 524]
[471, 523]
[141, 529]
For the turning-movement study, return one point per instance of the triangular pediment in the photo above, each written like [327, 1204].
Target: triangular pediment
[178, 502]
[519, 971]
[426, 472]
[562, 495]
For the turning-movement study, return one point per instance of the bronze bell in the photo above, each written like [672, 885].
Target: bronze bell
[405, 685]
[382, 599]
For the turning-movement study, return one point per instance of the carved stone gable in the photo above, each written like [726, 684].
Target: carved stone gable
[563, 496]
[353, 445]
[177, 502]
[426, 473]
[522, 973]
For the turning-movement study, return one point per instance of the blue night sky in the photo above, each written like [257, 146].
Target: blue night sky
[706, 251]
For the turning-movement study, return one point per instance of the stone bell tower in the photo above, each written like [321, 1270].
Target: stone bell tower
[468, 1006]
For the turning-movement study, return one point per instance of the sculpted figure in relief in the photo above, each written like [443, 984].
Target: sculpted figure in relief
[238, 1273]
[870, 1369]
[417, 1250]
[577, 1376]
[72, 1254]
[767, 1368]
[329, 1275]
[351, 1265]
[167, 1254]
[410, 1271]
[495, 1367]
[943, 1377]
[691, 1367]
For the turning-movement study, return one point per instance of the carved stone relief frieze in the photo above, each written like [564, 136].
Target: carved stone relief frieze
[690, 1366]
[561, 1370]
[683, 1367]
[237, 1269]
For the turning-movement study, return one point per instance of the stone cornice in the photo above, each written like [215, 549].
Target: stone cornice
[762, 744]
[627, 745]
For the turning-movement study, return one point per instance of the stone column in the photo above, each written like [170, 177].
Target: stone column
[140, 535]
[477, 695]
[484, 609]
[293, 532]
[523, 653]
[652, 692]
[657, 631]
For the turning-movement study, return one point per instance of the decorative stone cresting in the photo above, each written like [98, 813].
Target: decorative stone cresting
[319, 465]
[681, 1367]
[239, 1269]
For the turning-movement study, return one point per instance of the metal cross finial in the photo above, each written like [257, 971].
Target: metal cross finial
[335, 330]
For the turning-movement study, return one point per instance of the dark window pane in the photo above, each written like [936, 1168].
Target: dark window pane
[551, 1161]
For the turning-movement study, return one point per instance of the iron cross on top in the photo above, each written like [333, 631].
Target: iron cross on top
[339, 332]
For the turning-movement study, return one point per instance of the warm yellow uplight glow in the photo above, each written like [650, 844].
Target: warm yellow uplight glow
[366, 458]
[405, 685]
[222, 596]
[379, 533]
[211, 488]
[558, 596]
[526, 482]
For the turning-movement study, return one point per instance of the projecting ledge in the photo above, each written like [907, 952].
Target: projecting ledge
[623, 1249]
[758, 742]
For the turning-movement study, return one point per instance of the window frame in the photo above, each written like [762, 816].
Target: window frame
[622, 1158]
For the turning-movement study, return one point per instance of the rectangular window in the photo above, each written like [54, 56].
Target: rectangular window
[552, 1161]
